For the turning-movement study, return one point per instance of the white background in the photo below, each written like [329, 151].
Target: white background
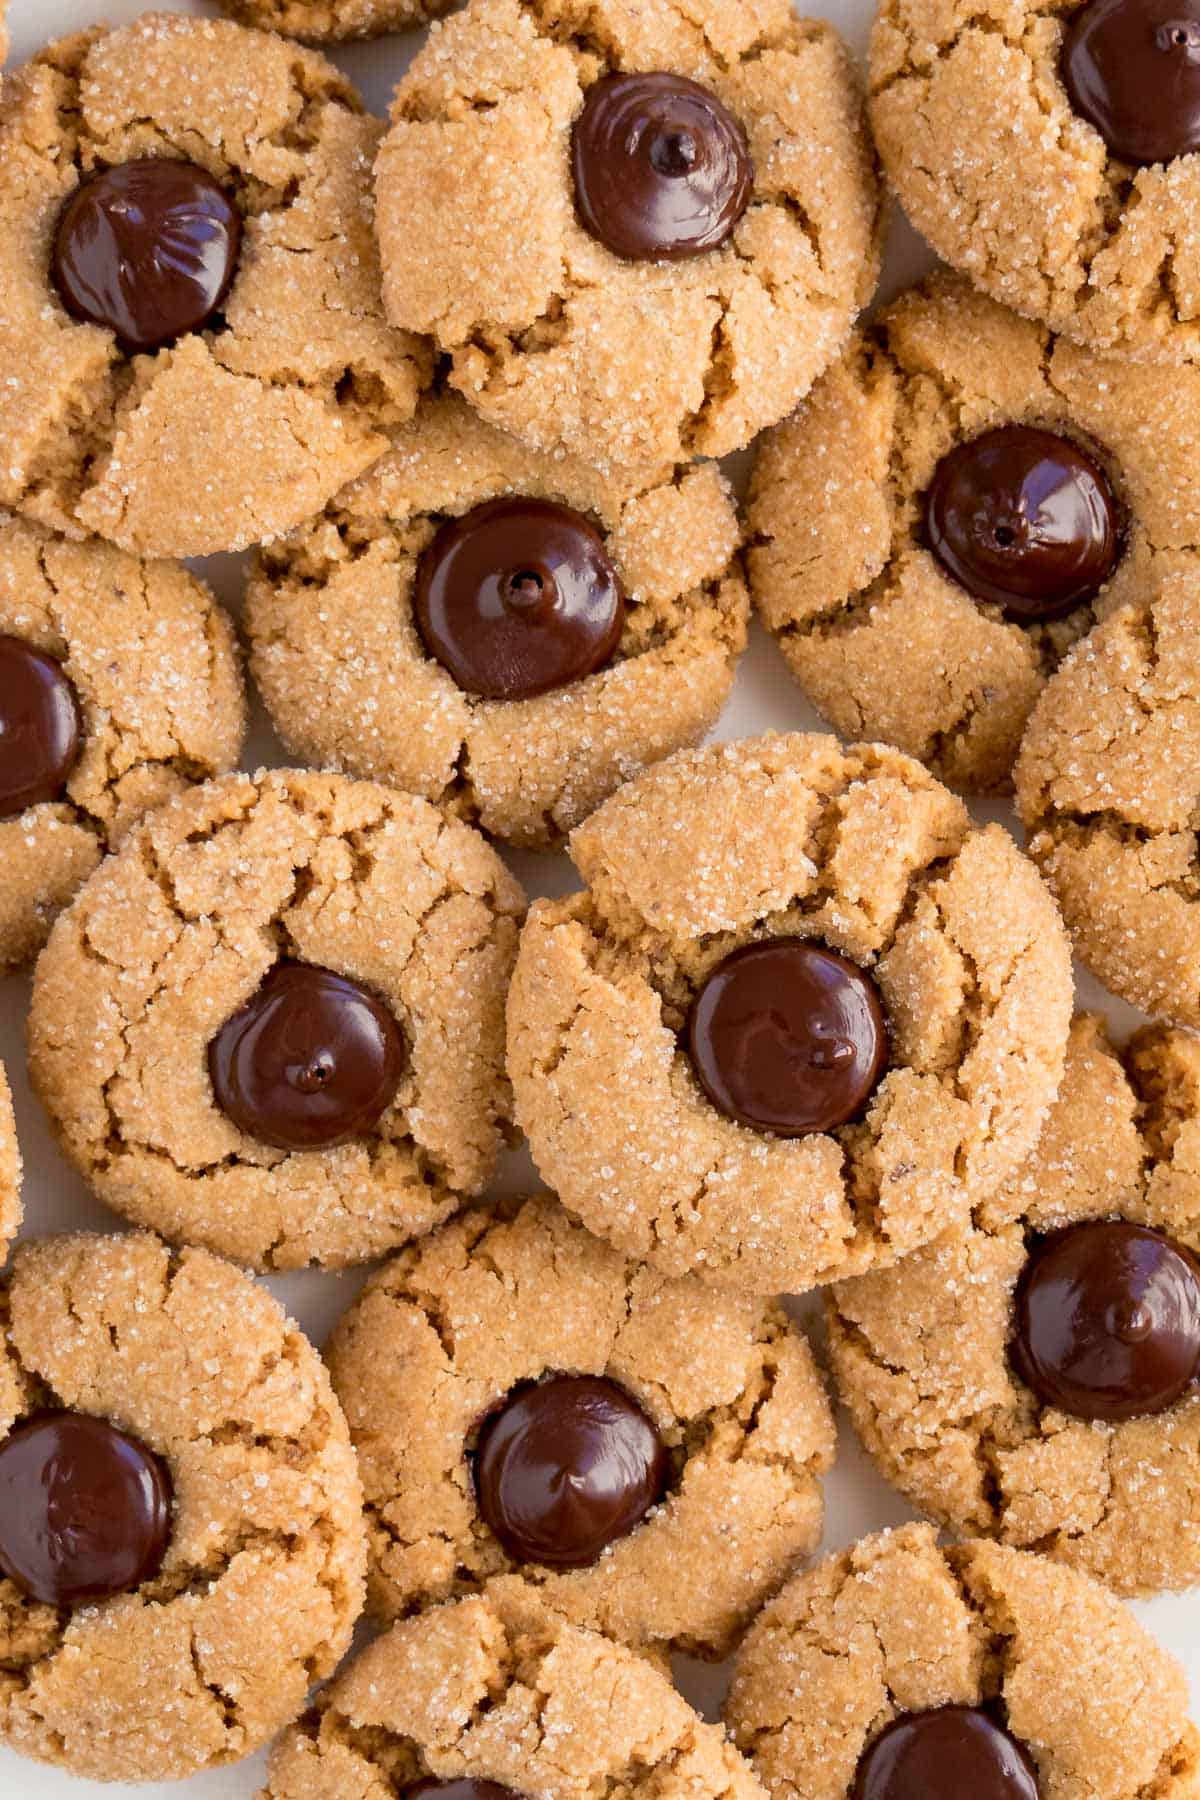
[857, 1500]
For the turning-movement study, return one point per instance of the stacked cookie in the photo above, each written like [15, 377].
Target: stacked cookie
[459, 383]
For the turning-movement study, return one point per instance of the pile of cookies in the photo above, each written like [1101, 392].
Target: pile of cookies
[460, 383]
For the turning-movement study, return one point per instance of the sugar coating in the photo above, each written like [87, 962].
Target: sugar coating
[921, 1352]
[500, 1689]
[340, 662]
[443, 1333]
[262, 1580]
[883, 641]
[897, 1625]
[993, 166]
[234, 435]
[1107, 791]
[331, 21]
[10, 1168]
[780, 835]
[552, 336]
[176, 932]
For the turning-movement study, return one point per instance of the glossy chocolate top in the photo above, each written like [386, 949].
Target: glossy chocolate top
[959, 1752]
[40, 728]
[1132, 69]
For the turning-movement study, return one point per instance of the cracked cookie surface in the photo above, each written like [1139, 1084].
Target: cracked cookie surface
[332, 21]
[499, 1689]
[880, 636]
[445, 1332]
[154, 664]
[552, 336]
[10, 1168]
[776, 836]
[1106, 789]
[992, 164]
[238, 431]
[340, 660]
[262, 1580]
[897, 1625]
[921, 1352]
[177, 931]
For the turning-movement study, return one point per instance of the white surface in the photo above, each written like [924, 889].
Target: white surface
[857, 1499]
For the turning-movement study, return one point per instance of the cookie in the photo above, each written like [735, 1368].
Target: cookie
[527, 1401]
[181, 1551]
[331, 21]
[273, 1024]
[10, 1169]
[497, 1695]
[898, 1669]
[699, 218]
[1050, 154]
[803, 1016]
[193, 354]
[1034, 1377]
[120, 684]
[958, 500]
[1106, 788]
[407, 635]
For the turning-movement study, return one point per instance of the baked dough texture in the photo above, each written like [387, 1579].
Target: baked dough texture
[786, 835]
[994, 167]
[552, 336]
[156, 670]
[340, 662]
[880, 637]
[10, 1168]
[171, 936]
[231, 435]
[262, 1581]
[443, 1333]
[498, 1688]
[921, 1352]
[897, 1625]
[332, 21]
[1106, 788]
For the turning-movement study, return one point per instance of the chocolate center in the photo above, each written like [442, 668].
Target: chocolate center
[518, 597]
[468, 1787]
[1108, 1322]
[953, 1751]
[661, 168]
[789, 1037]
[85, 1511]
[1132, 69]
[1024, 519]
[148, 249]
[565, 1467]
[40, 728]
[311, 1060]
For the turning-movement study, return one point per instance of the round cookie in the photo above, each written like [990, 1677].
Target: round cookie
[273, 1023]
[958, 500]
[249, 268]
[497, 1695]
[10, 1168]
[181, 1549]
[1034, 1377]
[995, 148]
[513, 1359]
[356, 676]
[696, 238]
[332, 21]
[1106, 789]
[898, 1668]
[120, 685]
[916, 943]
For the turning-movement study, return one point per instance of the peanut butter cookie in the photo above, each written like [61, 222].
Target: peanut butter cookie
[526, 1400]
[181, 1551]
[120, 684]
[1106, 788]
[331, 21]
[1049, 152]
[802, 1018]
[1037, 1378]
[498, 629]
[955, 504]
[273, 1024]
[498, 1696]
[10, 1169]
[699, 218]
[897, 1669]
[193, 353]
